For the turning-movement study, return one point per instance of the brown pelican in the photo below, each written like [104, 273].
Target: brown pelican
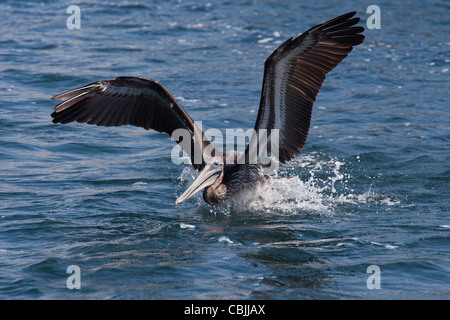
[293, 76]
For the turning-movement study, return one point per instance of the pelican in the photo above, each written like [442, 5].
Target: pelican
[293, 76]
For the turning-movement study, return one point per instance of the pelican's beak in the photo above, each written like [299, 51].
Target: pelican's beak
[207, 177]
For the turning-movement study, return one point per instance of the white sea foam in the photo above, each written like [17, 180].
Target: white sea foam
[387, 246]
[139, 184]
[265, 40]
[186, 226]
[184, 100]
[225, 239]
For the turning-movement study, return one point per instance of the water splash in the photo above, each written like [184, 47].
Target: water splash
[317, 193]
[315, 183]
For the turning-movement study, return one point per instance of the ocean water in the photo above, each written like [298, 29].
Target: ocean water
[371, 187]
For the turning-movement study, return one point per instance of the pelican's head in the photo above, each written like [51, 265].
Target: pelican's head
[208, 176]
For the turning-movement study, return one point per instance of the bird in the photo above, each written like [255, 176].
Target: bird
[293, 76]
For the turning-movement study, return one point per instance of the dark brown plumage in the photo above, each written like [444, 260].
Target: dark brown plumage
[293, 76]
[130, 100]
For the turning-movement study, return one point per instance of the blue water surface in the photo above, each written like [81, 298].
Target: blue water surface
[371, 187]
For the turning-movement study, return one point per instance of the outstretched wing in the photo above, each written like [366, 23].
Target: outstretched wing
[293, 76]
[135, 101]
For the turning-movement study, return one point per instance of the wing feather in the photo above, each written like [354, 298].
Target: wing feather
[293, 76]
[130, 101]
